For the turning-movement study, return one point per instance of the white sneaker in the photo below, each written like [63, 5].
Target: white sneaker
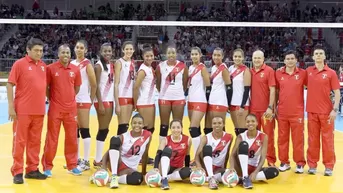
[84, 165]
[284, 167]
[299, 169]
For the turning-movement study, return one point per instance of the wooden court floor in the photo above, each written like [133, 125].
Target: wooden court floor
[64, 182]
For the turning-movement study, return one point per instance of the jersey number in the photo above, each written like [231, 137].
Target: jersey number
[216, 154]
[135, 150]
[132, 75]
[174, 154]
[110, 77]
[171, 78]
[251, 154]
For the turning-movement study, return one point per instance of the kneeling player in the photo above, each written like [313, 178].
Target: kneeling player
[172, 152]
[214, 149]
[130, 147]
[249, 155]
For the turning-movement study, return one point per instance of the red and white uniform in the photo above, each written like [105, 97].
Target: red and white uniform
[127, 77]
[132, 149]
[220, 148]
[146, 97]
[218, 100]
[196, 93]
[83, 98]
[237, 78]
[180, 149]
[106, 85]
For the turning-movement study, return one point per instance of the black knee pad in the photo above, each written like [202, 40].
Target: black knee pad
[270, 172]
[163, 130]
[78, 133]
[208, 130]
[194, 131]
[243, 148]
[167, 152]
[207, 151]
[85, 133]
[115, 143]
[240, 130]
[136, 178]
[122, 128]
[185, 172]
[102, 134]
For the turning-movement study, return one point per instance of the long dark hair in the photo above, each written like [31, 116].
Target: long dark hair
[103, 61]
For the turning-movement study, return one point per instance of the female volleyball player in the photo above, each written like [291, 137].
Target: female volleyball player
[249, 155]
[104, 71]
[241, 82]
[131, 147]
[199, 89]
[84, 100]
[173, 154]
[123, 87]
[171, 82]
[221, 87]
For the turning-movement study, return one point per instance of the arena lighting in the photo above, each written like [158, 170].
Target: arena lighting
[172, 23]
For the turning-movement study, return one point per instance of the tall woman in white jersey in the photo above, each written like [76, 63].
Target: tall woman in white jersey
[84, 99]
[199, 88]
[241, 81]
[144, 90]
[249, 154]
[171, 82]
[104, 71]
[221, 92]
[123, 87]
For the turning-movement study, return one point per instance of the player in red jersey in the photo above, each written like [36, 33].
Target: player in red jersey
[173, 155]
[249, 154]
[321, 80]
[290, 82]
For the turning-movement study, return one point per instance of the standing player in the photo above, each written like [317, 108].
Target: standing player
[171, 82]
[63, 82]
[123, 87]
[27, 110]
[249, 154]
[321, 113]
[241, 82]
[84, 100]
[131, 147]
[199, 89]
[104, 71]
[173, 154]
[213, 152]
[290, 82]
[221, 87]
[262, 100]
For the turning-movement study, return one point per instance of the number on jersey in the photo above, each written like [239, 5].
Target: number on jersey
[171, 77]
[216, 154]
[174, 154]
[132, 75]
[135, 150]
[251, 154]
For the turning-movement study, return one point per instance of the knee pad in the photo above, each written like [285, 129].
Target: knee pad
[270, 172]
[102, 134]
[243, 148]
[115, 143]
[136, 178]
[207, 151]
[208, 130]
[122, 128]
[163, 130]
[240, 130]
[85, 133]
[78, 133]
[194, 131]
[167, 152]
[185, 173]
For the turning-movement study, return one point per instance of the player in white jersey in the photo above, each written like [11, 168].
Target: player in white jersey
[171, 82]
[123, 87]
[125, 152]
[199, 89]
[241, 82]
[84, 99]
[249, 154]
[221, 92]
[213, 152]
[104, 72]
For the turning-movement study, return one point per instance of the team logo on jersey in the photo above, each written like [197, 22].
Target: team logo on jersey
[142, 138]
[282, 78]
[223, 142]
[262, 74]
[177, 69]
[30, 68]
[42, 67]
[183, 145]
[258, 142]
[324, 76]
[71, 74]
[56, 74]
[300, 120]
[296, 77]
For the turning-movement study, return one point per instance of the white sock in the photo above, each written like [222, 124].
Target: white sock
[218, 177]
[175, 176]
[78, 148]
[196, 143]
[86, 148]
[114, 158]
[122, 179]
[99, 149]
[165, 162]
[208, 165]
[260, 176]
[243, 160]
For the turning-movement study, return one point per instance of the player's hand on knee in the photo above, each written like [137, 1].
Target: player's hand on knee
[253, 176]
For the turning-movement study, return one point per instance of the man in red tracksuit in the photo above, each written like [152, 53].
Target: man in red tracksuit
[321, 113]
[63, 81]
[290, 82]
[27, 110]
[262, 100]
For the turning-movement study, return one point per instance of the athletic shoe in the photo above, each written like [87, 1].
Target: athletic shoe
[247, 184]
[18, 179]
[114, 182]
[84, 165]
[48, 173]
[284, 167]
[76, 171]
[312, 171]
[35, 175]
[97, 165]
[299, 169]
[164, 184]
[328, 172]
[212, 183]
[79, 161]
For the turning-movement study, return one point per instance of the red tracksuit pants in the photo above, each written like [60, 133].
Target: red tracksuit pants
[55, 119]
[293, 124]
[268, 127]
[320, 126]
[27, 132]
